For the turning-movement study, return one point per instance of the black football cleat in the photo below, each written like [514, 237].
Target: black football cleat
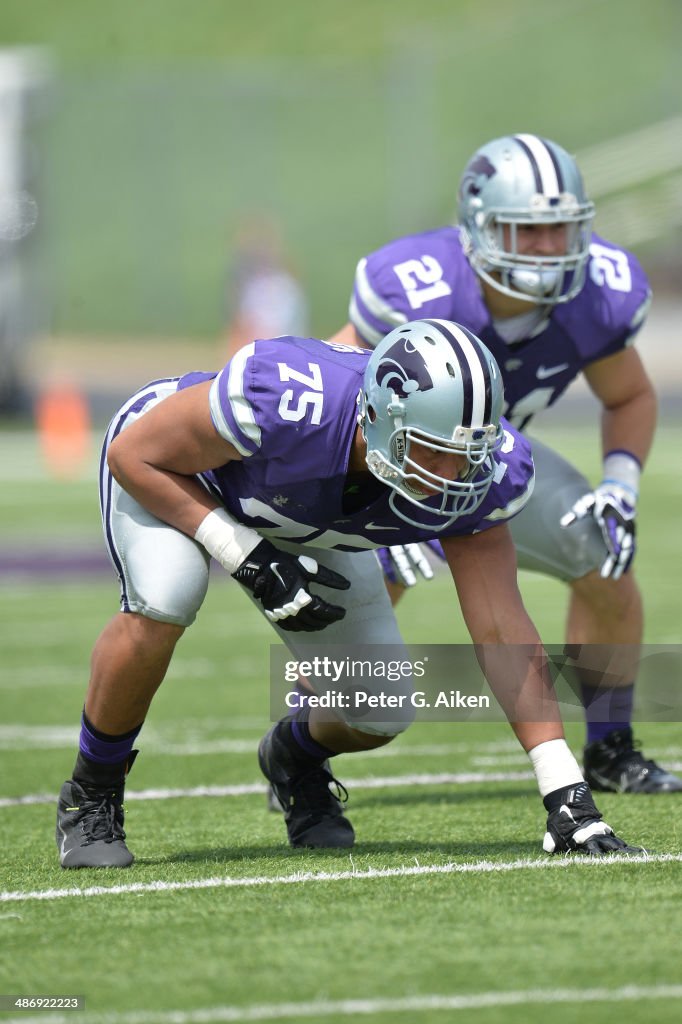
[273, 804]
[90, 828]
[313, 814]
[615, 765]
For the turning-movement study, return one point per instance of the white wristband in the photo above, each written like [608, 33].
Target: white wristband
[555, 766]
[228, 541]
[624, 470]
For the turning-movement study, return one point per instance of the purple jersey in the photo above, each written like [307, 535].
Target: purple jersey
[289, 406]
[428, 276]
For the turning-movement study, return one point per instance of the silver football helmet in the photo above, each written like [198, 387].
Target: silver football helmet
[431, 387]
[523, 179]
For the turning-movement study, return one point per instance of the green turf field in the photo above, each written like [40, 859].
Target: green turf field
[446, 910]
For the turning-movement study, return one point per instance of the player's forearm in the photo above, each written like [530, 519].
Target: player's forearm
[518, 675]
[515, 665]
[631, 426]
[176, 499]
[514, 662]
[491, 602]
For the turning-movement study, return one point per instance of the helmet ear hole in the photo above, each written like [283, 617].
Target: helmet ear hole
[371, 414]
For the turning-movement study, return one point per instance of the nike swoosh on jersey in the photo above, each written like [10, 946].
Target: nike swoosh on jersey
[543, 372]
[373, 526]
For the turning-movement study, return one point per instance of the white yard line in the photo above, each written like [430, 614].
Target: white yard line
[192, 741]
[369, 1007]
[248, 788]
[251, 788]
[17, 736]
[370, 874]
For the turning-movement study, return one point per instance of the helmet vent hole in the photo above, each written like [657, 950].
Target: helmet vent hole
[451, 370]
[431, 341]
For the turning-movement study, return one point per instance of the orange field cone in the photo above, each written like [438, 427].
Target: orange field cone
[63, 421]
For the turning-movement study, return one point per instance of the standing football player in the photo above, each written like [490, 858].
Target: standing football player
[551, 300]
[290, 467]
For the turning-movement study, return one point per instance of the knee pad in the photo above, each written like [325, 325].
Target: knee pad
[382, 728]
[382, 721]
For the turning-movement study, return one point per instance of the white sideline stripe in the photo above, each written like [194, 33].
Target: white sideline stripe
[369, 1007]
[19, 736]
[248, 788]
[301, 877]
[251, 788]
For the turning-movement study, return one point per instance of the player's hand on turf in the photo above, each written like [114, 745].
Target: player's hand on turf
[613, 509]
[280, 582]
[401, 562]
[574, 825]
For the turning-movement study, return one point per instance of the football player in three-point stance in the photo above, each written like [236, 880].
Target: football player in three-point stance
[551, 300]
[290, 467]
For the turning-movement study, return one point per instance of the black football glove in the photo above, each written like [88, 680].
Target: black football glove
[280, 582]
[574, 825]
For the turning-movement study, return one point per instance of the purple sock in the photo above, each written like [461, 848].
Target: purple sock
[300, 732]
[606, 709]
[103, 749]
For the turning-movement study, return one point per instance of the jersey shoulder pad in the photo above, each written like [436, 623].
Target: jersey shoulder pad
[614, 302]
[398, 282]
[270, 385]
[233, 402]
[514, 479]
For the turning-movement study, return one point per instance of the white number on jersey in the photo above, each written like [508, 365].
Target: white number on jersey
[505, 448]
[338, 347]
[285, 528]
[307, 399]
[610, 267]
[530, 404]
[426, 271]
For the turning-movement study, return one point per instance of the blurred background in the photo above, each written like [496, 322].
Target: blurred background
[152, 151]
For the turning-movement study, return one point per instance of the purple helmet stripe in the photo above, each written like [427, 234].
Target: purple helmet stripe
[465, 368]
